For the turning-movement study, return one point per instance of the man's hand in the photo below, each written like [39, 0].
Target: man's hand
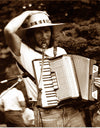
[34, 12]
[97, 82]
[1, 108]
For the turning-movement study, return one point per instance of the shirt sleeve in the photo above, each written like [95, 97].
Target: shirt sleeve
[60, 51]
[20, 96]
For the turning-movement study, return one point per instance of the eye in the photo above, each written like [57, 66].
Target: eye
[47, 30]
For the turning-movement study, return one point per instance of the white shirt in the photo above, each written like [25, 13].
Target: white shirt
[26, 58]
[10, 99]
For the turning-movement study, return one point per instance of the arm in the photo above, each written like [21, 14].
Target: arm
[23, 105]
[12, 39]
[1, 105]
[1, 108]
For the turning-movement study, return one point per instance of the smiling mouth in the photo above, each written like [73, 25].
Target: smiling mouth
[44, 43]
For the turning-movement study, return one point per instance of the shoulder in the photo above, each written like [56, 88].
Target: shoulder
[25, 52]
[60, 51]
[23, 48]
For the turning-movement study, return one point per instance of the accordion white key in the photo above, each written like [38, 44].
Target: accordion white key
[64, 77]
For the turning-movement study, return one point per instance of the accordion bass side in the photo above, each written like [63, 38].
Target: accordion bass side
[64, 77]
[86, 70]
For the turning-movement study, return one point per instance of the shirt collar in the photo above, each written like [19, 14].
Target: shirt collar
[48, 52]
[38, 49]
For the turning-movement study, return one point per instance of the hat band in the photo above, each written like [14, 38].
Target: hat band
[39, 22]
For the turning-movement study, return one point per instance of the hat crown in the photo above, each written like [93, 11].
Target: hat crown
[38, 19]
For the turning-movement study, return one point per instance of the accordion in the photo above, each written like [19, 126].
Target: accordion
[64, 77]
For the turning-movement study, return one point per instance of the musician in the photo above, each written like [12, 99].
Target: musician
[38, 33]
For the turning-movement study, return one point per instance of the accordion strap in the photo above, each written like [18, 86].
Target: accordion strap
[28, 74]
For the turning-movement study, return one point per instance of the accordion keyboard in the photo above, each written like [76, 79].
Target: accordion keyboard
[49, 85]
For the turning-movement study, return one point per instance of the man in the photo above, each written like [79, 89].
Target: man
[12, 103]
[39, 36]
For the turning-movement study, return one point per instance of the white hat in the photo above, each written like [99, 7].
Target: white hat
[40, 19]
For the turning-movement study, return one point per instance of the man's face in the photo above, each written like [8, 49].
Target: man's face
[42, 36]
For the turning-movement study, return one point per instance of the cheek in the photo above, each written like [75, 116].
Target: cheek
[38, 37]
[49, 34]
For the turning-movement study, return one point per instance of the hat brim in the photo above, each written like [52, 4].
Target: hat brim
[42, 25]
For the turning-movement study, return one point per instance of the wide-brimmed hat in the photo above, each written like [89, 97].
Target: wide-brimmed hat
[39, 19]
